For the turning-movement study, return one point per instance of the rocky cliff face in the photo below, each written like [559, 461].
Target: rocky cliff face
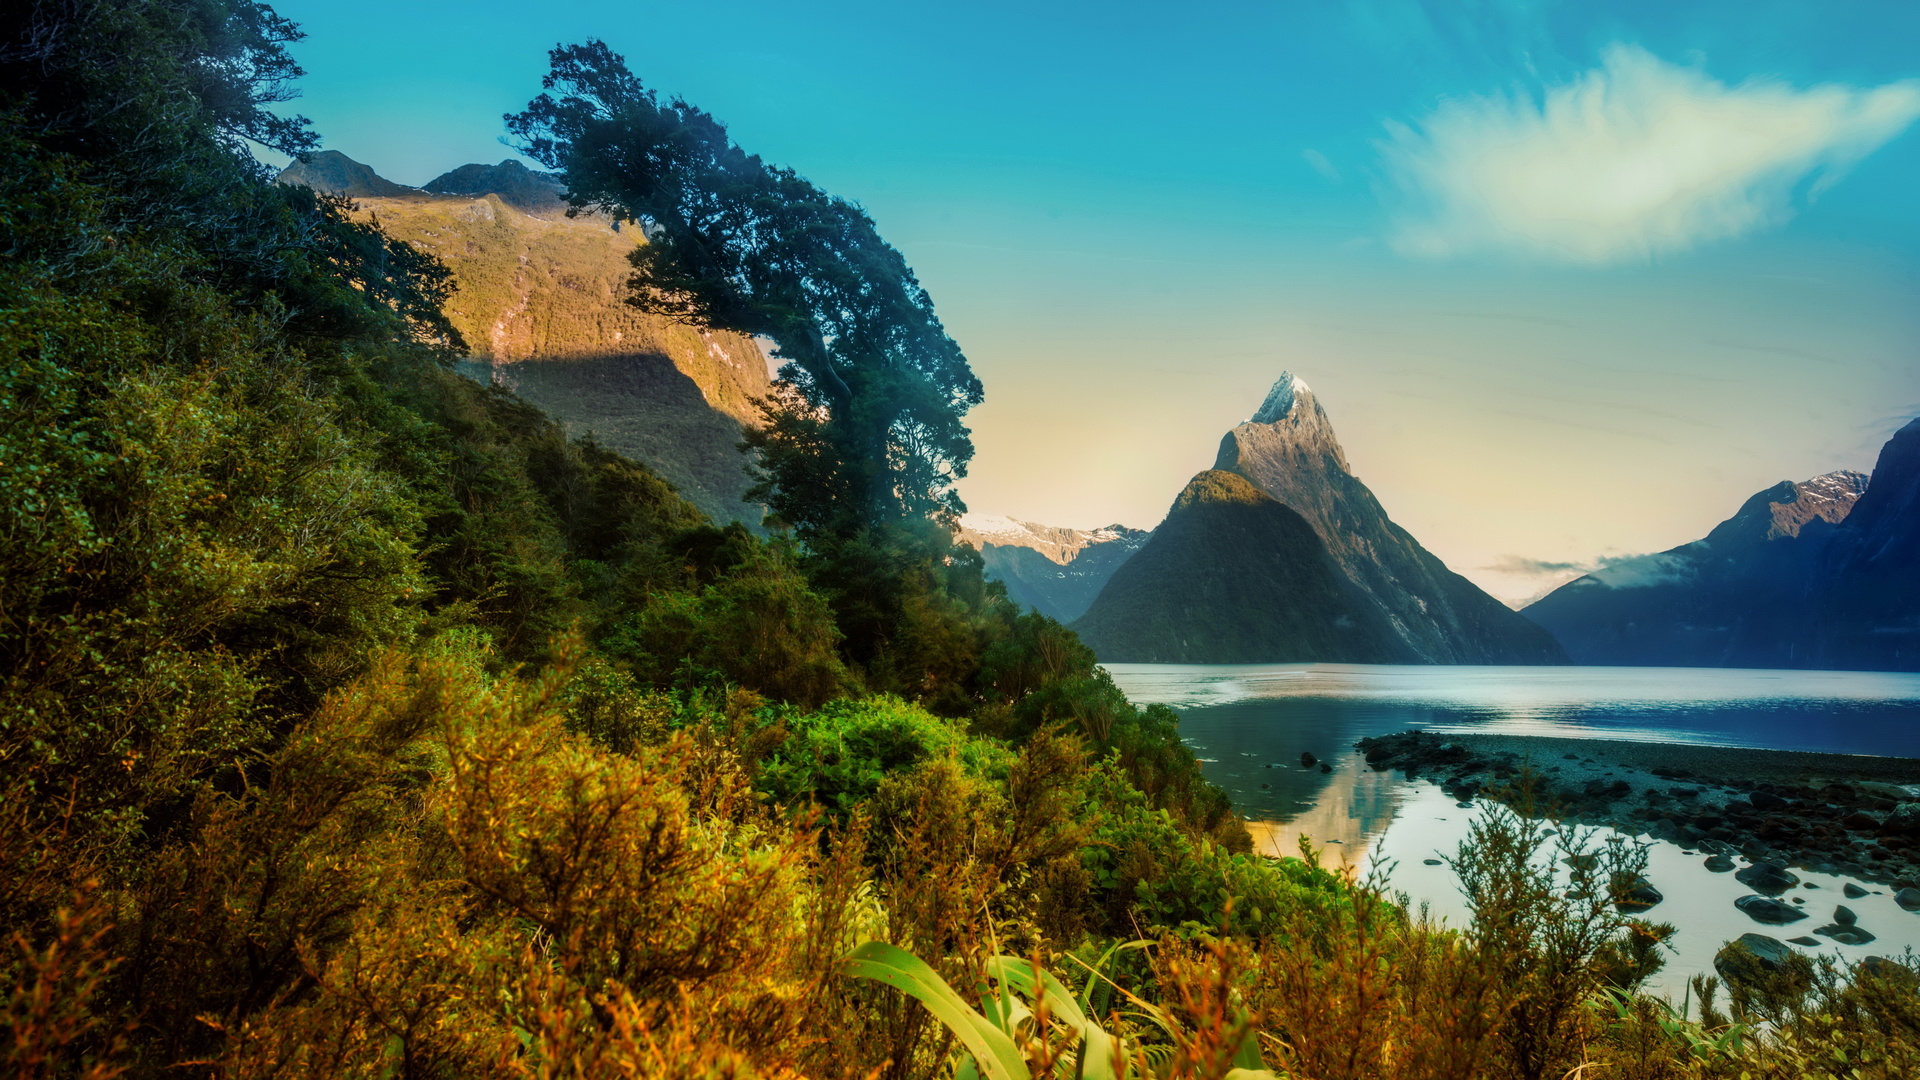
[539, 299]
[1820, 574]
[1055, 571]
[1289, 451]
[1234, 577]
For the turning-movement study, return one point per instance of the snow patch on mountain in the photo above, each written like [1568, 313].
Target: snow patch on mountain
[1280, 399]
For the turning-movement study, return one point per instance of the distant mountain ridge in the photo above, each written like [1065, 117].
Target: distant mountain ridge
[539, 298]
[1389, 601]
[1820, 574]
[518, 186]
[1055, 571]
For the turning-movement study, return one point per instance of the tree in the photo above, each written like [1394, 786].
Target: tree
[872, 430]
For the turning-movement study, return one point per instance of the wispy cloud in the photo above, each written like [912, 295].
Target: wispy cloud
[1521, 565]
[1635, 158]
[1619, 571]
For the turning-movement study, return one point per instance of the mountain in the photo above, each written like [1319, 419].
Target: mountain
[1819, 574]
[1234, 577]
[1289, 451]
[337, 174]
[539, 298]
[1056, 572]
[1735, 598]
[518, 186]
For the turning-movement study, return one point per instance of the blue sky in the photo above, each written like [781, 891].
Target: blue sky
[1572, 279]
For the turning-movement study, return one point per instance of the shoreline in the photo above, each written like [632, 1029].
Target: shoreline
[1835, 813]
[1718, 762]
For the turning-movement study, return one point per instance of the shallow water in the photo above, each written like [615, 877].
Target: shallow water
[1250, 723]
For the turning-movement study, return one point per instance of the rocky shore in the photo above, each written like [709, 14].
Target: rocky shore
[1842, 814]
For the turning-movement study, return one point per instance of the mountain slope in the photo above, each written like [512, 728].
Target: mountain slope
[1289, 451]
[1233, 577]
[1736, 598]
[1821, 574]
[1052, 570]
[1869, 611]
[539, 300]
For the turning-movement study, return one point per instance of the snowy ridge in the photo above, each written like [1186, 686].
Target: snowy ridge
[1059, 545]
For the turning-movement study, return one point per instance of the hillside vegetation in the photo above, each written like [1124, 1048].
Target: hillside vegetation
[356, 722]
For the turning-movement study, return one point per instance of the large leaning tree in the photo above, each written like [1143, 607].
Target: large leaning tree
[868, 428]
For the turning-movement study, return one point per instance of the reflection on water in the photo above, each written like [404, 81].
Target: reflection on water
[1249, 724]
[1353, 807]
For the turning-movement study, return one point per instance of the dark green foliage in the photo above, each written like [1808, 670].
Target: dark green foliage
[839, 755]
[759, 625]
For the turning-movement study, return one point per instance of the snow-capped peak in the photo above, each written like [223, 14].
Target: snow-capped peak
[1280, 399]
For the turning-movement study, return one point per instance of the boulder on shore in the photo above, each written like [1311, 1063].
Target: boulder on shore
[1754, 956]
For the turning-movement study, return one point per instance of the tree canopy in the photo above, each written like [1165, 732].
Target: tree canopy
[872, 430]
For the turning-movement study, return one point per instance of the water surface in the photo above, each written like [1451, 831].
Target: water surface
[1249, 724]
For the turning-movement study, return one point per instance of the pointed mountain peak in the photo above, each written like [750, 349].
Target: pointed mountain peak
[337, 174]
[1279, 404]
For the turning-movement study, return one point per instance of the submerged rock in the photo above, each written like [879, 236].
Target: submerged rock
[1852, 891]
[1769, 878]
[1845, 934]
[1768, 910]
[1908, 898]
[1844, 915]
[1719, 864]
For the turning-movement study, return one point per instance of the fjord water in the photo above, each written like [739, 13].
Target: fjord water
[1249, 725]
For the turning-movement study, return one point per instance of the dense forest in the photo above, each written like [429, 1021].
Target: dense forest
[357, 723]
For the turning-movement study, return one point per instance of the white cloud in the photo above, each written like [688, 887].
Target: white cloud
[1635, 158]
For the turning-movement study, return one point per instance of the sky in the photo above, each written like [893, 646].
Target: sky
[1572, 279]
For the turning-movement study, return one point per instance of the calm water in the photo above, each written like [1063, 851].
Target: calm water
[1250, 723]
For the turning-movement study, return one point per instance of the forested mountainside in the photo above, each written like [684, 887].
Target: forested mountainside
[1234, 577]
[1054, 571]
[539, 299]
[1819, 574]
